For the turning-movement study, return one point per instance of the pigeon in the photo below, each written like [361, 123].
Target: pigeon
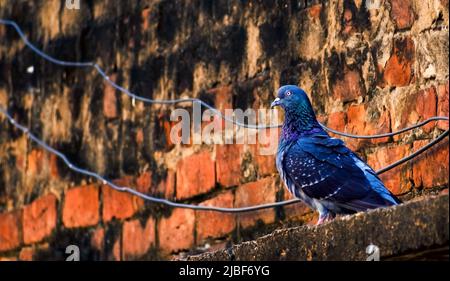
[320, 170]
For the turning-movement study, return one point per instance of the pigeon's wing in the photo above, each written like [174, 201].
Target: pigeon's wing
[375, 182]
[325, 169]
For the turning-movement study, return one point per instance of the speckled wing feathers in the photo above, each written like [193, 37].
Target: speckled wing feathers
[324, 169]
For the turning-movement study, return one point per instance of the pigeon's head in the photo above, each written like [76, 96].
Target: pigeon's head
[292, 98]
[299, 115]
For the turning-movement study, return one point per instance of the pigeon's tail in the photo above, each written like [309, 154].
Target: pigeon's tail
[380, 190]
[378, 196]
[372, 201]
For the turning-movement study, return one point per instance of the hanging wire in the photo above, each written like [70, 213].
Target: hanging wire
[144, 196]
[181, 100]
[105, 181]
[120, 88]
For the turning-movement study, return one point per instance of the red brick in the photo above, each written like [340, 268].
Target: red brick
[39, 219]
[396, 180]
[337, 120]
[417, 107]
[358, 124]
[176, 232]
[356, 116]
[402, 13]
[228, 164]
[265, 150]
[195, 175]
[166, 187]
[53, 166]
[266, 164]
[26, 254]
[29, 253]
[430, 169]
[10, 237]
[117, 204]
[110, 99]
[137, 238]
[98, 239]
[399, 67]
[349, 87]
[443, 103]
[379, 126]
[81, 206]
[144, 182]
[215, 224]
[256, 193]
[426, 107]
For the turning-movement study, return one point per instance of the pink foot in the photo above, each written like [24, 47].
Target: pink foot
[325, 218]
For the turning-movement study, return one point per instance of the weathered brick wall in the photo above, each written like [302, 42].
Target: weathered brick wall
[366, 72]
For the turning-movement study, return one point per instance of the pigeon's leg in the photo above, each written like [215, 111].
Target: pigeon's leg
[325, 215]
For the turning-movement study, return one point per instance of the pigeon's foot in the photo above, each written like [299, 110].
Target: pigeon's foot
[326, 218]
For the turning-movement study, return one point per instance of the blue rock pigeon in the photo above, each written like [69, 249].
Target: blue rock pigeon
[321, 170]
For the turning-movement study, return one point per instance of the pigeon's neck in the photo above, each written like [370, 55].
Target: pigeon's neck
[300, 124]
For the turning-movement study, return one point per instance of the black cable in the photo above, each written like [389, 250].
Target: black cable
[173, 101]
[415, 154]
[77, 169]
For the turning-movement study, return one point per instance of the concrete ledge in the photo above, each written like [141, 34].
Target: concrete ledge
[406, 230]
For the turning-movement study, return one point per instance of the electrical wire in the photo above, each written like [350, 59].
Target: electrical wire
[181, 100]
[105, 181]
[144, 196]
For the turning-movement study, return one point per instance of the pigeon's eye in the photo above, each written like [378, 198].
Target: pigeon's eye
[288, 94]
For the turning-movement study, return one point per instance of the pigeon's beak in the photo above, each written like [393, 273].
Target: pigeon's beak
[276, 102]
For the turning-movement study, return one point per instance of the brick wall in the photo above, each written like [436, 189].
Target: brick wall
[366, 72]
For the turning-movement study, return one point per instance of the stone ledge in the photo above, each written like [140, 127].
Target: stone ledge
[401, 231]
